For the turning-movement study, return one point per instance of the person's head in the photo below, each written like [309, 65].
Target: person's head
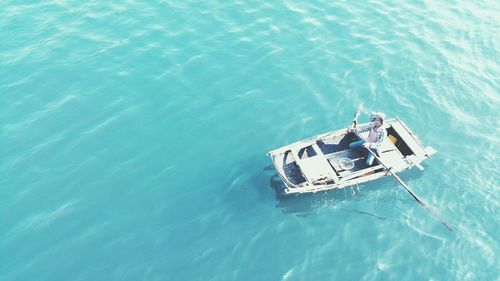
[377, 118]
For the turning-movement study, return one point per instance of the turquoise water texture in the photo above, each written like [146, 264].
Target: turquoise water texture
[134, 138]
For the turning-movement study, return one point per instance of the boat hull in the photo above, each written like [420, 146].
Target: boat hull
[325, 162]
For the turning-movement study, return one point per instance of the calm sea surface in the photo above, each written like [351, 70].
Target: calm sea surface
[134, 137]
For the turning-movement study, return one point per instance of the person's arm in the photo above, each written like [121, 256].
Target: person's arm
[365, 129]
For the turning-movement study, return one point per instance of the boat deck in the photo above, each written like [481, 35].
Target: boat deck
[355, 155]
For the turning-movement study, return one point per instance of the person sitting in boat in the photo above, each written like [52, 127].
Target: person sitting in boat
[375, 137]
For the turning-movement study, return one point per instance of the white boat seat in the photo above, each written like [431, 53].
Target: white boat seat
[315, 168]
[390, 155]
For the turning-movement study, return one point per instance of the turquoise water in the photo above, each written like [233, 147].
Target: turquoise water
[134, 134]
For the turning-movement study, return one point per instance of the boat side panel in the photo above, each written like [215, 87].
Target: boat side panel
[340, 185]
[412, 143]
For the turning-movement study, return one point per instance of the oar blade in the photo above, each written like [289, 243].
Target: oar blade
[359, 108]
[408, 189]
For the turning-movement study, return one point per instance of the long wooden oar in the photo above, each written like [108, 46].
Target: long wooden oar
[420, 201]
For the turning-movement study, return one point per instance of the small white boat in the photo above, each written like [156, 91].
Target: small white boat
[326, 162]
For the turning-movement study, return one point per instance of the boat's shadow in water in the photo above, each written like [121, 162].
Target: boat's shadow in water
[306, 204]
